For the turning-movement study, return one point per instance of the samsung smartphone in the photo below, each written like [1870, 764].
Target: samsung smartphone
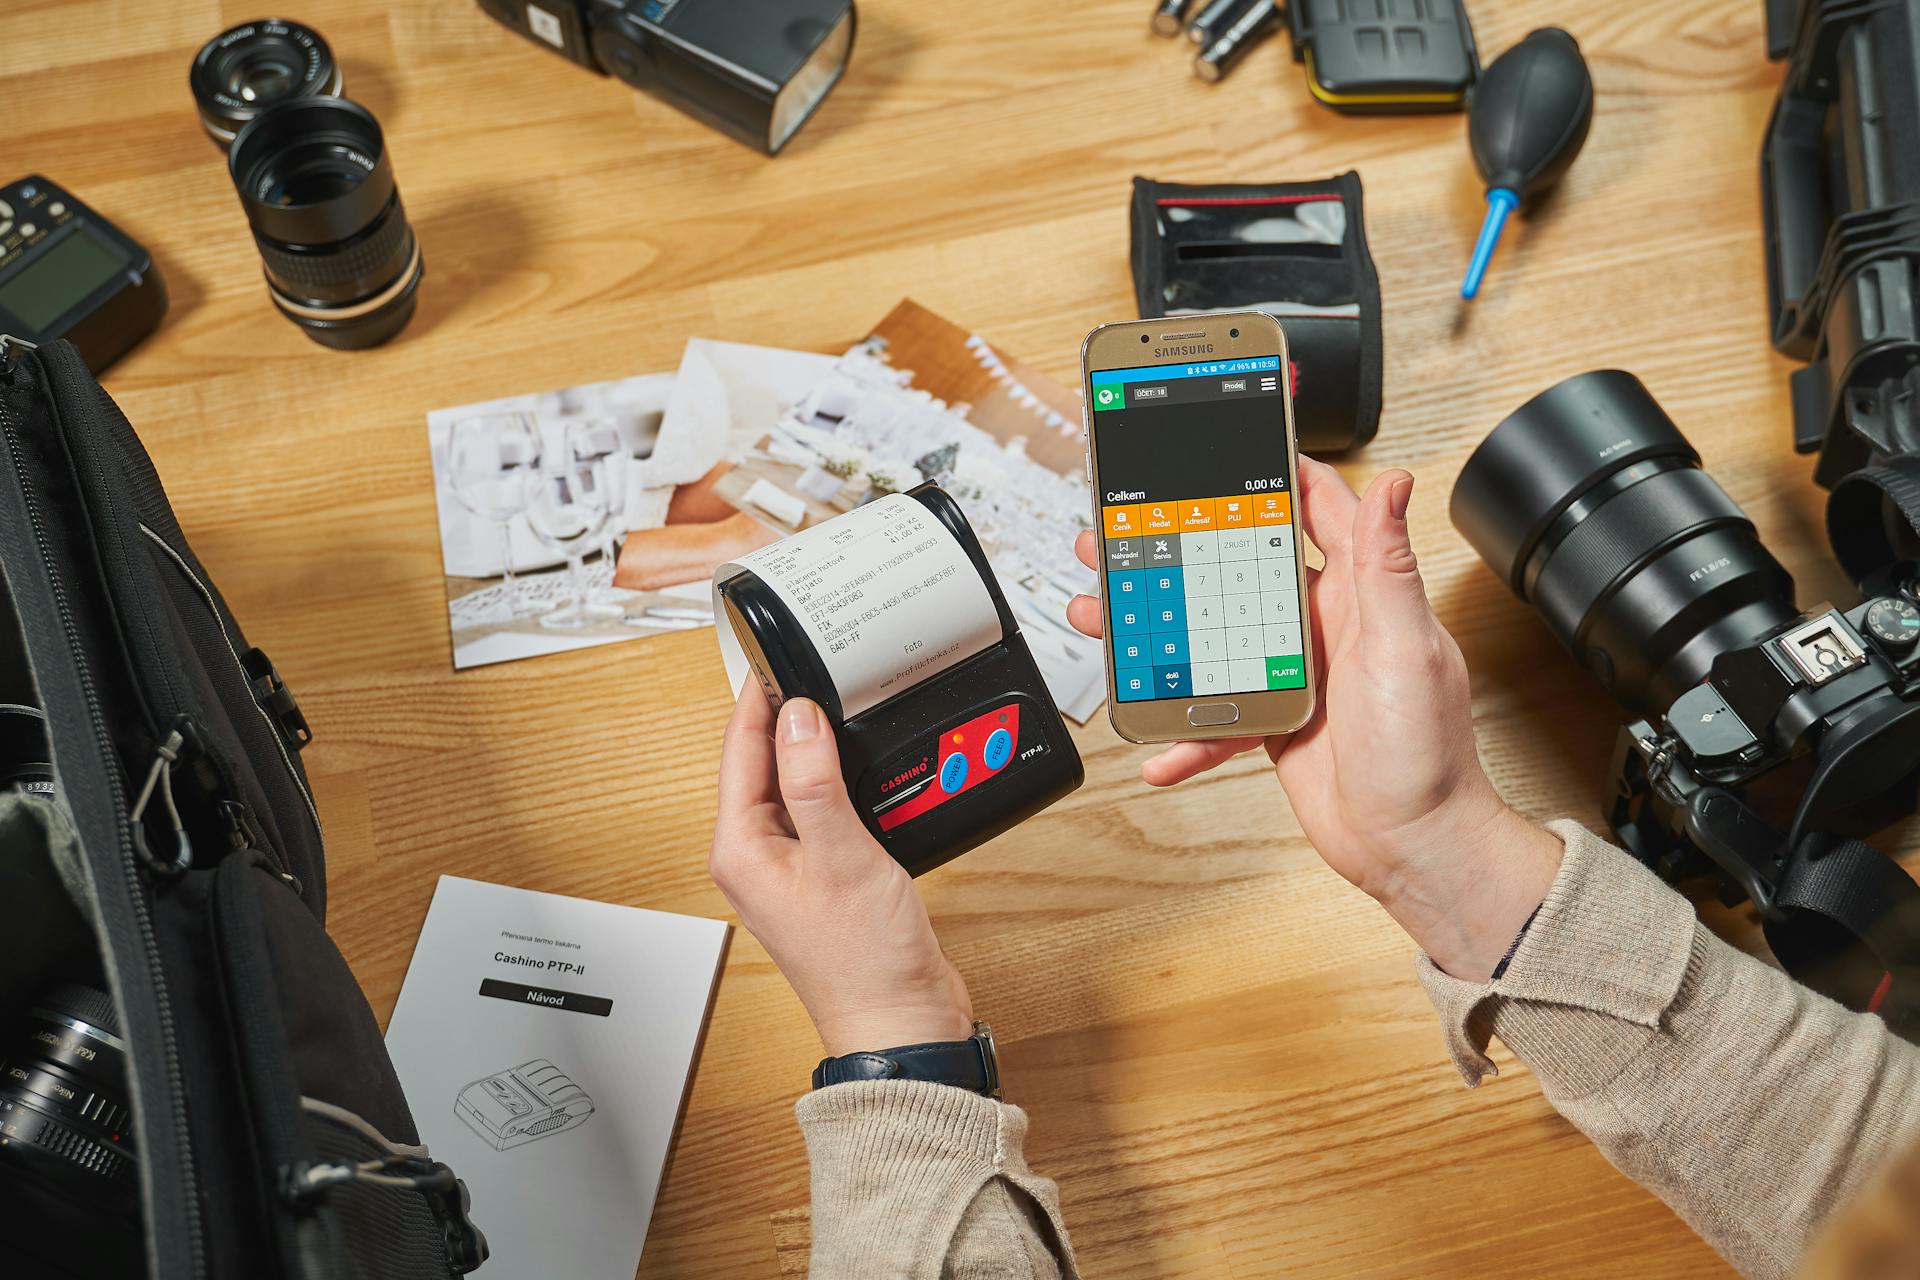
[1191, 460]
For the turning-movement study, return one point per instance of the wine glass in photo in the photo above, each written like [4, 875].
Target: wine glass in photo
[568, 506]
[489, 458]
[599, 439]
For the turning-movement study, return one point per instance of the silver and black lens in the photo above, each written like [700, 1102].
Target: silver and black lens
[69, 1182]
[246, 69]
[1593, 507]
[341, 260]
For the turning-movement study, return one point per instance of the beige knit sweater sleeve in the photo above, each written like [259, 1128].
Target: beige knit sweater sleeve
[918, 1181]
[1749, 1104]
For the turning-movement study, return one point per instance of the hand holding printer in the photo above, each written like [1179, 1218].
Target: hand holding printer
[1384, 778]
[834, 910]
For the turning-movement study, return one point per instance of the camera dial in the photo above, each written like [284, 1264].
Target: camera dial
[1894, 622]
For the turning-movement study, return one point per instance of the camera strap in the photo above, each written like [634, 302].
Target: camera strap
[1846, 921]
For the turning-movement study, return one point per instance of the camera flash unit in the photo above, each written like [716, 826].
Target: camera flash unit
[753, 69]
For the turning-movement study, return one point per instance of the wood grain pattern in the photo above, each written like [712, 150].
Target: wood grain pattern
[1230, 1069]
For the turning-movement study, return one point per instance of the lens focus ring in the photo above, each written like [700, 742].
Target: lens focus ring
[63, 1100]
[340, 274]
[1628, 531]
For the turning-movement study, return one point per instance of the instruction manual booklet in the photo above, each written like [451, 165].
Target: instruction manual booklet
[545, 1044]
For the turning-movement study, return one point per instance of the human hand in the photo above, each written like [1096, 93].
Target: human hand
[834, 910]
[1384, 778]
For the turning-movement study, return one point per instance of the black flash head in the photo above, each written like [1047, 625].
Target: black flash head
[753, 69]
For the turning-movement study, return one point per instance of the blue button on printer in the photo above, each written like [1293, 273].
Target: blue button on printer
[953, 774]
[999, 747]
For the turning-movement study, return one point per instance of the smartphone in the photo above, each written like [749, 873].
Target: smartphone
[1191, 462]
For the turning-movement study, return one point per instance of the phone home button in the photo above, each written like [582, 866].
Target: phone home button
[1204, 714]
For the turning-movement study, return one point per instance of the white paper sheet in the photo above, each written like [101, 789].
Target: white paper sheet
[545, 1044]
[886, 592]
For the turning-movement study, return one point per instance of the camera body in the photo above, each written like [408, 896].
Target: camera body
[1770, 773]
[753, 69]
[1813, 728]
[1767, 741]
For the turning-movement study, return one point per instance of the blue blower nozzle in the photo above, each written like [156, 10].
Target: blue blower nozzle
[1500, 203]
[1528, 120]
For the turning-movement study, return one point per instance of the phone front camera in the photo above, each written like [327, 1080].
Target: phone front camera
[1233, 333]
[1143, 337]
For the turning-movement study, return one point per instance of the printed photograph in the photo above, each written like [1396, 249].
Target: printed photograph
[588, 515]
[599, 513]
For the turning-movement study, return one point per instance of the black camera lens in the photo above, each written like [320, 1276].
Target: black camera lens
[341, 260]
[246, 69]
[69, 1181]
[25, 758]
[63, 1097]
[1593, 507]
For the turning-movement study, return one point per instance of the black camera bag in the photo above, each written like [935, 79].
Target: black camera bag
[175, 861]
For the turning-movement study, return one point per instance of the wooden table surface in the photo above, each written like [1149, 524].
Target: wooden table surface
[1230, 1069]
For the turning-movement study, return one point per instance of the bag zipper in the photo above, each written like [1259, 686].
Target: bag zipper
[134, 885]
[244, 834]
[243, 831]
[246, 677]
[174, 698]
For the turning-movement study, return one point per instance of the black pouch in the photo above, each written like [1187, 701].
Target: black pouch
[1297, 251]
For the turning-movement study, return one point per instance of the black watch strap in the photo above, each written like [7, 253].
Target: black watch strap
[966, 1064]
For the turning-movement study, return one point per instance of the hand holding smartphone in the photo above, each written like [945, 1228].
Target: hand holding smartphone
[1386, 784]
[1192, 464]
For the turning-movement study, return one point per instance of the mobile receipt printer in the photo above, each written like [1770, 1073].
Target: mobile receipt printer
[889, 617]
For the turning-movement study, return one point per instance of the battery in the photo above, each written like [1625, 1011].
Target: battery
[1169, 16]
[1249, 27]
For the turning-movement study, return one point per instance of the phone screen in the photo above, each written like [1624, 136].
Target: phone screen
[1196, 522]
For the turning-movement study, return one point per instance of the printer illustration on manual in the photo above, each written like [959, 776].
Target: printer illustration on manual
[533, 1100]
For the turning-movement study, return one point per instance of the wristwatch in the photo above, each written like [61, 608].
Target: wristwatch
[969, 1064]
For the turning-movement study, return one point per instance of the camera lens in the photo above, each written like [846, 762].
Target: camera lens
[247, 68]
[25, 759]
[341, 260]
[1233, 333]
[69, 1182]
[1593, 507]
[63, 1097]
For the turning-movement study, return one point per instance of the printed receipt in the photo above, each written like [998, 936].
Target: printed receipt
[887, 593]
